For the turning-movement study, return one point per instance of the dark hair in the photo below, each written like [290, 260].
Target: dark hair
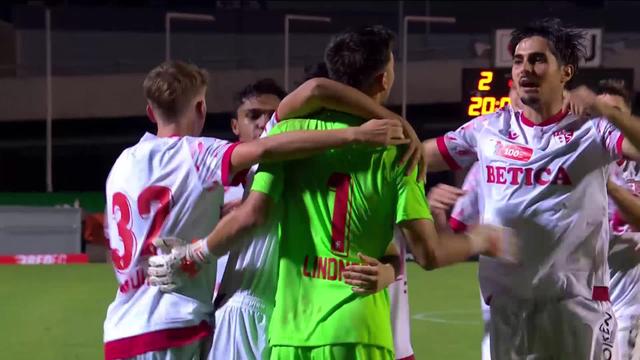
[266, 86]
[354, 57]
[565, 43]
[615, 87]
[315, 70]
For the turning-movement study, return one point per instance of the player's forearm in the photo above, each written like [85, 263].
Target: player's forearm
[239, 223]
[627, 204]
[440, 221]
[435, 162]
[230, 227]
[291, 145]
[452, 248]
[319, 93]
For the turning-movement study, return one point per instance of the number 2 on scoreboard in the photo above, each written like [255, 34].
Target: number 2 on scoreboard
[340, 183]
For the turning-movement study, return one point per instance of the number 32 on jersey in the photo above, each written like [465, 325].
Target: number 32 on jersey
[121, 204]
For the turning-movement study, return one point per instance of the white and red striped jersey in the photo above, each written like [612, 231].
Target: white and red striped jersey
[625, 173]
[252, 269]
[466, 211]
[162, 187]
[547, 182]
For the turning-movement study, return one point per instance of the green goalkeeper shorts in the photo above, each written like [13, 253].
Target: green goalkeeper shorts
[333, 352]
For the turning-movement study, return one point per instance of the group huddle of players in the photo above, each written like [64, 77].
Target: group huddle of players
[220, 258]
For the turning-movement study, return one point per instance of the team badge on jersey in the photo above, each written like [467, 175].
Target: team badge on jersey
[513, 151]
[563, 136]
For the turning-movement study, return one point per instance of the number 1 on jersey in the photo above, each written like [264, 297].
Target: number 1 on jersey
[340, 184]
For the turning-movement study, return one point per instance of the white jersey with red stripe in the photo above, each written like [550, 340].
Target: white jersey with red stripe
[547, 182]
[399, 297]
[466, 211]
[162, 187]
[252, 268]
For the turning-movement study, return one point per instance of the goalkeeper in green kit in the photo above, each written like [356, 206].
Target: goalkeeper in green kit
[333, 207]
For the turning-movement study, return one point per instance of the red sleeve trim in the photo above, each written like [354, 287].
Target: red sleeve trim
[457, 226]
[239, 177]
[619, 145]
[155, 341]
[444, 151]
[277, 117]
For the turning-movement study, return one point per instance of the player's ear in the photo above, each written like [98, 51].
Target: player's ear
[234, 127]
[386, 81]
[567, 72]
[201, 108]
[379, 84]
[151, 115]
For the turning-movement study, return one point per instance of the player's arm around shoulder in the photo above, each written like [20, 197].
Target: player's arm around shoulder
[284, 145]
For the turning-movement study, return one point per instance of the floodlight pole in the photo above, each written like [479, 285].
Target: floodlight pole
[407, 19]
[287, 18]
[179, 16]
[49, 100]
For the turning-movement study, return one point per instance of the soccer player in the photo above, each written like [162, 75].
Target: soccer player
[172, 183]
[544, 174]
[255, 106]
[466, 205]
[624, 261]
[335, 206]
[320, 87]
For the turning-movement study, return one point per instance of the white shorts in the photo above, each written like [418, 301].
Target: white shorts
[400, 319]
[486, 338]
[626, 306]
[575, 328]
[194, 351]
[241, 329]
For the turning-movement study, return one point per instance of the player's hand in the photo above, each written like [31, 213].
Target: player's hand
[632, 239]
[165, 271]
[381, 132]
[444, 197]
[583, 102]
[415, 153]
[495, 241]
[370, 277]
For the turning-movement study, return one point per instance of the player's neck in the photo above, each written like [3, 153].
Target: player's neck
[172, 129]
[541, 112]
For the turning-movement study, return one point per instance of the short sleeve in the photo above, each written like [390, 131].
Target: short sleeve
[609, 137]
[212, 160]
[273, 121]
[269, 180]
[411, 202]
[269, 177]
[458, 148]
[466, 211]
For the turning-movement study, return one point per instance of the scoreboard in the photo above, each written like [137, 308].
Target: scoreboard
[485, 90]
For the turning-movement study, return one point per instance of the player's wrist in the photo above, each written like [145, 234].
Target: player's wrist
[199, 251]
[354, 135]
[478, 242]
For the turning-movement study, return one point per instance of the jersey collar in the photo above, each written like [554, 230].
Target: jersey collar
[550, 121]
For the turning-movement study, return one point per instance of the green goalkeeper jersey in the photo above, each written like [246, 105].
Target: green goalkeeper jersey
[335, 205]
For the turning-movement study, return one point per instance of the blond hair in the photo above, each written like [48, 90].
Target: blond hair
[172, 85]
